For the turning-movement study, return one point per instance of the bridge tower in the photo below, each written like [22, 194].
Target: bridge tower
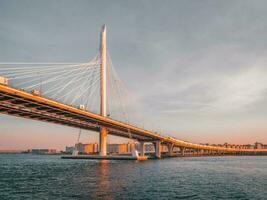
[103, 90]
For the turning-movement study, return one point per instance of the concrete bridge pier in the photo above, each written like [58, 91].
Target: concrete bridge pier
[170, 149]
[103, 141]
[157, 145]
[195, 151]
[182, 150]
[142, 148]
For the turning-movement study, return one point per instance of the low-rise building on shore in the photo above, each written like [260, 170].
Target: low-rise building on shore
[257, 145]
[43, 151]
[93, 148]
[126, 148]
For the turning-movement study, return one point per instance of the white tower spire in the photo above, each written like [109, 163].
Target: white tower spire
[103, 90]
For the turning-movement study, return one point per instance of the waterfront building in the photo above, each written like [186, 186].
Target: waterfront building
[69, 149]
[258, 145]
[79, 147]
[43, 151]
[90, 148]
[93, 148]
[119, 148]
[248, 146]
[126, 148]
[150, 148]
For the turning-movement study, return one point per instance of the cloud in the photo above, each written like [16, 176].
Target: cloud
[241, 90]
[220, 87]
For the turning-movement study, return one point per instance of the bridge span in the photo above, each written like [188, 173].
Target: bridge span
[23, 104]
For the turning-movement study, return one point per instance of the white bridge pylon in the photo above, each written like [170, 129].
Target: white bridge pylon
[103, 90]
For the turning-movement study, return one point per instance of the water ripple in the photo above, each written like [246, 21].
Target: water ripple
[49, 177]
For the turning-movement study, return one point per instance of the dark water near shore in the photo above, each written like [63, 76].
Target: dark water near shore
[49, 177]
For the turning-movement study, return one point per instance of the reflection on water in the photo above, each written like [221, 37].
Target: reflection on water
[103, 183]
[103, 174]
[49, 177]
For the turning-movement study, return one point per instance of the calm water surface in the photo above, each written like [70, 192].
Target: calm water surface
[49, 177]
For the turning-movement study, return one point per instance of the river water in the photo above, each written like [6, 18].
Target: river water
[49, 177]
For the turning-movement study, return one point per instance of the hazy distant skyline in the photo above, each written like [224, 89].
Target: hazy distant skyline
[197, 68]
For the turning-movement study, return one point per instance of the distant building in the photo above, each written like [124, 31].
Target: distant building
[10, 151]
[149, 148]
[79, 147]
[43, 151]
[248, 146]
[119, 148]
[69, 149]
[258, 145]
[90, 148]
[126, 148]
[93, 148]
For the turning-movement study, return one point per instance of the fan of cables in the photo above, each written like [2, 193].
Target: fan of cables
[71, 84]
[77, 85]
[122, 105]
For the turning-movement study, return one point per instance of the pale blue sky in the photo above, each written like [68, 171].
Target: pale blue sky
[197, 68]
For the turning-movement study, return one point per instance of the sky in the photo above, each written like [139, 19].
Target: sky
[196, 68]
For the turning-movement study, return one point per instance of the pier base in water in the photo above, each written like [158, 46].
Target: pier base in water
[108, 157]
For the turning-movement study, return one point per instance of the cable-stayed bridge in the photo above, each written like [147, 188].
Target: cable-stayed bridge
[88, 96]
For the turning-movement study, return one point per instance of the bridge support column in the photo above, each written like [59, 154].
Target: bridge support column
[142, 148]
[103, 91]
[182, 150]
[103, 141]
[158, 149]
[211, 153]
[170, 149]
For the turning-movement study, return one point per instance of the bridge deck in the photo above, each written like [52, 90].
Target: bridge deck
[22, 104]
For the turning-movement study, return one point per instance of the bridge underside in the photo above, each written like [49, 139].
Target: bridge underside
[14, 105]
